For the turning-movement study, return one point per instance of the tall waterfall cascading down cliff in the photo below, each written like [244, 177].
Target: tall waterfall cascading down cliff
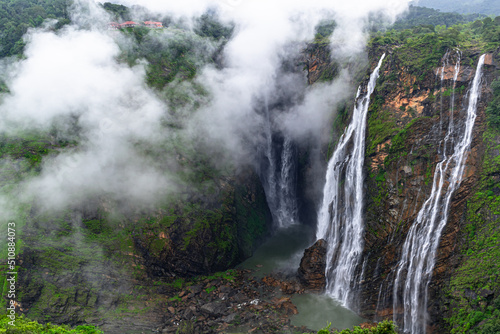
[414, 270]
[340, 220]
[287, 212]
[279, 175]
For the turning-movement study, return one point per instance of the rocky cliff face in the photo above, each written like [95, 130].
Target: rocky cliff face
[208, 236]
[87, 263]
[409, 117]
[407, 124]
[318, 62]
[311, 272]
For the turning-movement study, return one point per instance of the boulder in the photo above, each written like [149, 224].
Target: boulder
[311, 272]
[213, 309]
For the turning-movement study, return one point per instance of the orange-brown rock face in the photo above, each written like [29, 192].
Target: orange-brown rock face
[407, 125]
[318, 63]
[312, 267]
[411, 113]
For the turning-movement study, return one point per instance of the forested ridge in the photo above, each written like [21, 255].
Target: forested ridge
[423, 16]
[17, 16]
[487, 7]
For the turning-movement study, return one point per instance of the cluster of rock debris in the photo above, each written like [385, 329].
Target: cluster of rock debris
[245, 304]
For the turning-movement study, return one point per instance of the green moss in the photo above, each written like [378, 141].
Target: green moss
[384, 327]
[381, 126]
[31, 150]
[96, 227]
[420, 49]
[25, 326]
[493, 110]
[480, 265]
[398, 148]
[180, 58]
[254, 214]
[338, 125]
[328, 73]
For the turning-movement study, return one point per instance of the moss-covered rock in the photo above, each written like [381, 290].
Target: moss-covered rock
[196, 238]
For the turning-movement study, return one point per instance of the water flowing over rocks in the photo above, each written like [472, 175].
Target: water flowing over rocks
[400, 180]
[417, 107]
[419, 249]
[340, 217]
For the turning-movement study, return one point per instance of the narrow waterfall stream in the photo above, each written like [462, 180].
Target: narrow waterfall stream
[340, 220]
[287, 210]
[279, 175]
[414, 270]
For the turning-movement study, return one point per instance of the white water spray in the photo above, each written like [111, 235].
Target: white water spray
[419, 249]
[340, 220]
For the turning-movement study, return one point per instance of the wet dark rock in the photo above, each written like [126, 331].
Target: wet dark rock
[240, 298]
[229, 318]
[225, 289]
[213, 309]
[487, 293]
[286, 305]
[185, 248]
[196, 288]
[287, 285]
[249, 304]
[189, 313]
[311, 272]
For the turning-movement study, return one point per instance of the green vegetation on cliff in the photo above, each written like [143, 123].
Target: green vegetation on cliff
[474, 291]
[422, 47]
[493, 110]
[384, 327]
[26, 326]
[102, 259]
[487, 7]
[17, 16]
[414, 103]
[428, 17]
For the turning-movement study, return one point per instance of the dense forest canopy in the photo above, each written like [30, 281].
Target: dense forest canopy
[487, 7]
[17, 16]
[421, 16]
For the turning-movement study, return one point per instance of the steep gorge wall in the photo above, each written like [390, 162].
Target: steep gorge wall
[95, 261]
[407, 122]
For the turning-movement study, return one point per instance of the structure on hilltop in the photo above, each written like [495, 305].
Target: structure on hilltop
[132, 24]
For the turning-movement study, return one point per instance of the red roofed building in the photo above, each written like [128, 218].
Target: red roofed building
[129, 24]
[151, 24]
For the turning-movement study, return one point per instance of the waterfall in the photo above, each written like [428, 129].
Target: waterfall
[340, 215]
[279, 175]
[287, 211]
[420, 246]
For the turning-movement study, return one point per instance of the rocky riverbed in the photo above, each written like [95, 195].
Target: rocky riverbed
[242, 303]
[239, 302]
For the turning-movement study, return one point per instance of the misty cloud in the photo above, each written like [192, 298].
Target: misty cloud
[319, 101]
[257, 50]
[72, 80]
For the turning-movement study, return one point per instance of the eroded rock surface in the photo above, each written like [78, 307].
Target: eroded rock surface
[311, 272]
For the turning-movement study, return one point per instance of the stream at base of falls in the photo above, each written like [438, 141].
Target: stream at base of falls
[282, 252]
